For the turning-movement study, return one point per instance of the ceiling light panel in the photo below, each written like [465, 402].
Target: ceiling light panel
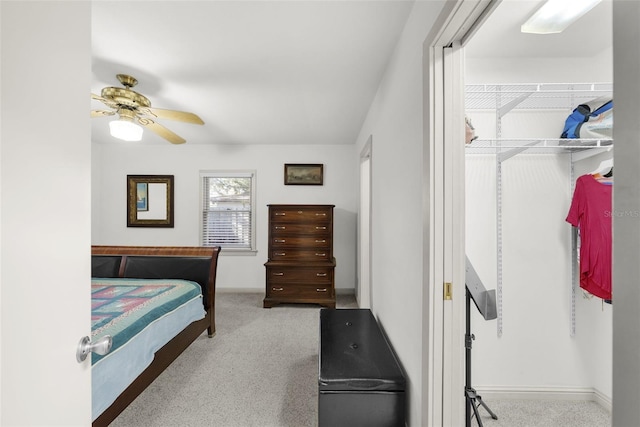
[556, 15]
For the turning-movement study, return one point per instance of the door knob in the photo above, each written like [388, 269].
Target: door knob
[101, 346]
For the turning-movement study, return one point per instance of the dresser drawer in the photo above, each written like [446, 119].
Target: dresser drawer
[307, 275]
[295, 214]
[300, 242]
[304, 255]
[314, 229]
[292, 290]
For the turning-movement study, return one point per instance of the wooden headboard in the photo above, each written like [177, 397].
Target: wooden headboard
[195, 263]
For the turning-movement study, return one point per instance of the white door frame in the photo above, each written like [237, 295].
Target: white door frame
[445, 291]
[364, 294]
[444, 216]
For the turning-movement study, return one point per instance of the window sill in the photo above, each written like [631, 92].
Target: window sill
[238, 252]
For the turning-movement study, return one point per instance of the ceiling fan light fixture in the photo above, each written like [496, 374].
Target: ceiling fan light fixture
[125, 130]
[556, 15]
[134, 109]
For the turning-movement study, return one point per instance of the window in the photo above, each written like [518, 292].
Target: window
[228, 217]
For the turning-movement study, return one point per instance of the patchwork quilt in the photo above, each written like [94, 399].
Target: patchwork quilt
[124, 307]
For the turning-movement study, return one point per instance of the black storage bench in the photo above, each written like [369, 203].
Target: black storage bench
[360, 380]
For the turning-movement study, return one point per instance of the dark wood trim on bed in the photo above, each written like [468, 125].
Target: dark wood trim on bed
[167, 354]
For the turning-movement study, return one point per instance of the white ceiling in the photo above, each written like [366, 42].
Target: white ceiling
[500, 35]
[256, 72]
[284, 72]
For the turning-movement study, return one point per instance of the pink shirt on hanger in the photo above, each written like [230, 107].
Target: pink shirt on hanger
[590, 211]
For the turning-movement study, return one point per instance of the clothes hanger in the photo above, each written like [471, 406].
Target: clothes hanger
[604, 168]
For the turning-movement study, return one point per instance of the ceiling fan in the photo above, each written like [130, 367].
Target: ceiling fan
[135, 109]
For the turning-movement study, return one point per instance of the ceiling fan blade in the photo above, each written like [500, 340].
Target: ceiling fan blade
[181, 116]
[101, 113]
[161, 130]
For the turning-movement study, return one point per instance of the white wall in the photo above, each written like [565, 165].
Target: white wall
[540, 70]
[536, 352]
[626, 228]
[536, 247]
[113, 162]
[395, 122]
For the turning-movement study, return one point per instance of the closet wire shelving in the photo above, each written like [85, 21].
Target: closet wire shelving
[504, 98]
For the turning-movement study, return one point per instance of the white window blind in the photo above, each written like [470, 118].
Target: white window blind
[228, 209]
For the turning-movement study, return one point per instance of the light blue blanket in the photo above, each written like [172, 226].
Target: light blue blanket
[141, 315]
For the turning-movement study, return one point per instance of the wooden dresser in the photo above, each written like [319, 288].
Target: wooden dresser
[301, 265]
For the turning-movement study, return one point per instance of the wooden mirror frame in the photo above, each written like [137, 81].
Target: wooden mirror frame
[164, 219]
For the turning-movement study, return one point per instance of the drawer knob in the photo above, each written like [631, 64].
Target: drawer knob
[278, 274]
[321, 228]
[277, 289]
[321, 274]
[279, 254]
[280, 227]
[280, 213]
[321, 241]
[321, 214]
[320, 254]
[279, 240]
[321, 289]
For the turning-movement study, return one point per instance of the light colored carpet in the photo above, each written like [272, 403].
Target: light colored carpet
[261, 369]
[545, 413]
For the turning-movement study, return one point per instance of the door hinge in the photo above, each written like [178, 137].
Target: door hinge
[448, 291]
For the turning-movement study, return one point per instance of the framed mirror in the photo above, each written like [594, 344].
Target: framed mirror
[150, 201]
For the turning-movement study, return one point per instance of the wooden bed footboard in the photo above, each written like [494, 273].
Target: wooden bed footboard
[197, 264]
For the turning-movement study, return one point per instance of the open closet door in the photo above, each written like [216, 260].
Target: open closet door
[46, 214]
[444, 184]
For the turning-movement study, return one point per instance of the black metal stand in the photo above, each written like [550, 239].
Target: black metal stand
[473, 400]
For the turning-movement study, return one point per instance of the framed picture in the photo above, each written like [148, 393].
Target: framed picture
[150, 201]
[303, 174]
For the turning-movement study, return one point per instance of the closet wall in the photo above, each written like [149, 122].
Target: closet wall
[539, 351]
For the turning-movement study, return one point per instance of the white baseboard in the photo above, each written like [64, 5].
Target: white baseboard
[339, 291]
[240, 290]
[603, 400]
[544, 393]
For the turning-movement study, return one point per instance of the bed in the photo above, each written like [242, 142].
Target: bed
[154, 302]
